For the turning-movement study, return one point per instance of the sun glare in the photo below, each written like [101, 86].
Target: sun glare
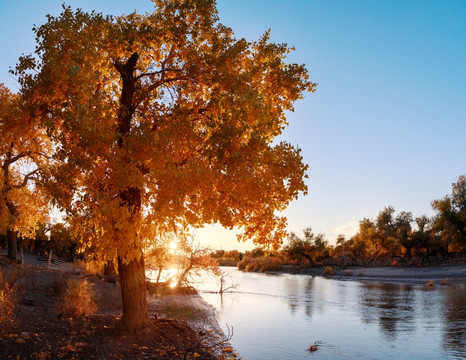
[173, 246]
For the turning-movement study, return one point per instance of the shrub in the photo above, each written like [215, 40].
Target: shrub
[328, 271]
[348, 273]
[78, 298]
[252, 267]
[271, 263]
[262, 264]
[7, 302]
[242, 263]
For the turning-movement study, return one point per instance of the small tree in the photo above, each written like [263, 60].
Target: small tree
[224, 282]
[194, 258]
[24, 151]
[159, 256]
[312, 247]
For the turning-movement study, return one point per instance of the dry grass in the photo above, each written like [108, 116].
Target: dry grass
[78, 298]
[444, 281]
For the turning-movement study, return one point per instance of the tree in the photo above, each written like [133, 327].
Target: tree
[403, 233]
[343, 249]
[450, 221]
[24, 150]
[163, 120]
[159, 256]
[386, 231]
[366, 244]
[194, 259]
[422, 238]
[312, 247]
[224, 282]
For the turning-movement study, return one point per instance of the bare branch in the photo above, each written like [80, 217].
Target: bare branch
[227, 339]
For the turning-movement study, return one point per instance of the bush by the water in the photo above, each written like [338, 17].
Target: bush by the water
[328, 271]
[261, 264]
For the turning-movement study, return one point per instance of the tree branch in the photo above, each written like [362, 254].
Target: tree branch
[27, 177]
[15, 158]
[162, 71]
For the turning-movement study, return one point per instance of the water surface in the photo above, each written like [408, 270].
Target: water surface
[279, 316]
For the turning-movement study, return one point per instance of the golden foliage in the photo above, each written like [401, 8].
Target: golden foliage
[24, 149]
[90, 266]
[164, 119]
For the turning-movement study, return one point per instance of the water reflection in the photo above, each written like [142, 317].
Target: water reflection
[277, 317]
[291, 285]
[300, 294]
[388, 305]
[308, 290]
[454, 337]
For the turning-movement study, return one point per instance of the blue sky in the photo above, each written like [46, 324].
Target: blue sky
[387, 124]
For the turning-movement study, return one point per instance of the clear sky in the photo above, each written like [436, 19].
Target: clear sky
[387, 124]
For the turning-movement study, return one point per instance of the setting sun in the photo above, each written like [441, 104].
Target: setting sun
[173, 246]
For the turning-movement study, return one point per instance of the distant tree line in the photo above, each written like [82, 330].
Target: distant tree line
[396, 239]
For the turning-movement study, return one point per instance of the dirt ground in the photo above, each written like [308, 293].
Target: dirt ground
[184, 326]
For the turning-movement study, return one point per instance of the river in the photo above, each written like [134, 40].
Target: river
[277, 316]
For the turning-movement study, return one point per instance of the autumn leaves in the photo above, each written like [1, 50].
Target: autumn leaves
[163, 119]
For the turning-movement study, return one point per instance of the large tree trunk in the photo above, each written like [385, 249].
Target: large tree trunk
[132, 274]
[133, 295]
[12, 245]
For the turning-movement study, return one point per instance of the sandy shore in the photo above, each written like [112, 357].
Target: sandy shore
[455, 274]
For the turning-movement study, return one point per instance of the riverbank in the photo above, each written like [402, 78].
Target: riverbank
[185, 327]
[446, 274]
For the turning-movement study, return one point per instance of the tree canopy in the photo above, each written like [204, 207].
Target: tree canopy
[164, 120]
[173, 105]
